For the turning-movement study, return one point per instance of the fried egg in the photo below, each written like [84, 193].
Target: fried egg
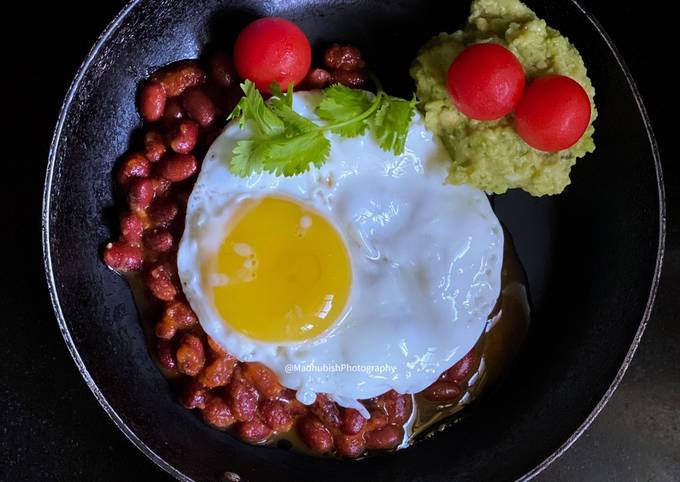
[366, 274]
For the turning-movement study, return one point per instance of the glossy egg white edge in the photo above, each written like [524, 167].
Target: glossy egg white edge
[426, 262]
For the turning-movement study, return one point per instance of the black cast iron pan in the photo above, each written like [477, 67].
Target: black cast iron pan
[592, 254]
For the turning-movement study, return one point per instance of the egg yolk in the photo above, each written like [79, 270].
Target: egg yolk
[282, 272]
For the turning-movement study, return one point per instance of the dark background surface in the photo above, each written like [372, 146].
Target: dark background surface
[51, 426]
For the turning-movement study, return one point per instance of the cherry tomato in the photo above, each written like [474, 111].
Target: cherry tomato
[553, 113]
[485, 81]
[270, 50]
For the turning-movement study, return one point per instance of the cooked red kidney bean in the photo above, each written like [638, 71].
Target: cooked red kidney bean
[173, 111]
[403, 406]
[161, 186]
[343, 57]
[461, 372]
[179, 76]
[180, 314]
[317, 79]
[378, 419]
[218, 372]
[326, 410]
[159, 282]
[351, 446]
[152, 101]
[315, 434]
[276, 415]
[162, 212]
[158, 240]
[183, 136]
[166, 357]
[122, 256]
[253, 431]
[176, 315]
[397, 407]
[199, 106]
[352, 421]
[154, 147]
[193, 395]
[442, 392]
[190, 355]
[222, 71]
[387, 437]
[217, 413]
[177, 167]
[141, 193]
[287, 396]
[262, 378]
[135, 165]
[165, 330]
[215, 348]
[355, 79]
[242, 398]
[131, 227]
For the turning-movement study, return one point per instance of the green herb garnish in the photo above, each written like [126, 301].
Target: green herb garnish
[390, 123]
[286, 143]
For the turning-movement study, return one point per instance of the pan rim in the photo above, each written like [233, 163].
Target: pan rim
[659, 253]
[157, 459]
[47, 255]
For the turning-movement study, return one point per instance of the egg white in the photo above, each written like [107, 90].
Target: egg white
[426, 262]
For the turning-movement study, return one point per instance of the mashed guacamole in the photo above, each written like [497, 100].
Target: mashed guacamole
[489, 154]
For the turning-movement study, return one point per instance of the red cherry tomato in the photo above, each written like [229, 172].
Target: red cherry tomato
[553, 113]
[485, 81]
[270, 50]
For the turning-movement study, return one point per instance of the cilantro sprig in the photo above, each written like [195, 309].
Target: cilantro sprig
[286, 143]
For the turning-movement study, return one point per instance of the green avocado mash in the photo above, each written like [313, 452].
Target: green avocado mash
[489, 154]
